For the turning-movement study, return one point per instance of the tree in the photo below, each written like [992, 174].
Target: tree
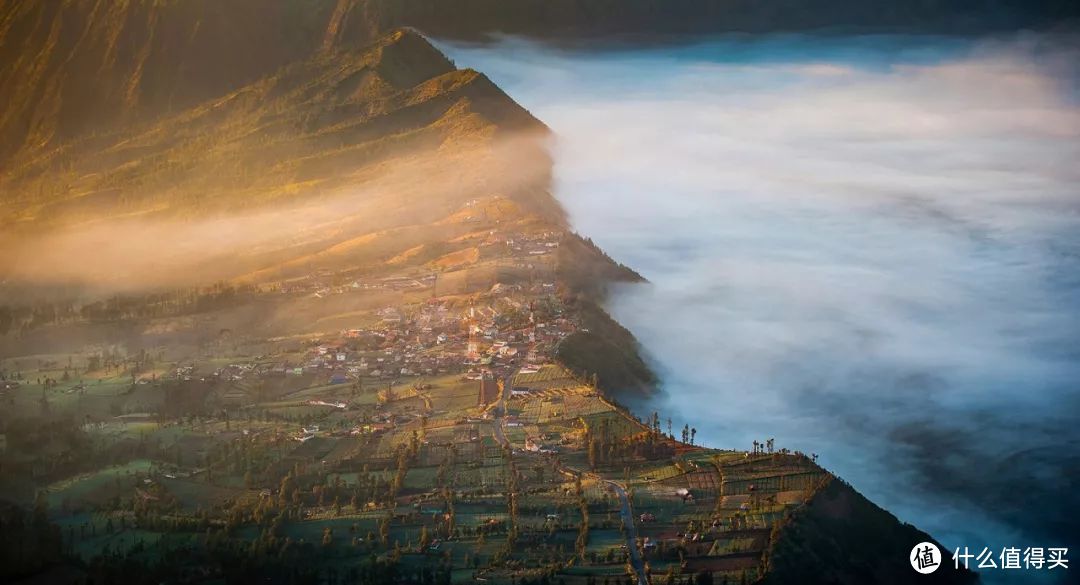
[693, 433]
[6, 319]
[384, 530]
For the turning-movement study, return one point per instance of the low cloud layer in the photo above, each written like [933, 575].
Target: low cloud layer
[868, 248]
[352, 226]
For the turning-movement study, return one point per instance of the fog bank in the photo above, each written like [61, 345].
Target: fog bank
[867, 248]
[112, 250]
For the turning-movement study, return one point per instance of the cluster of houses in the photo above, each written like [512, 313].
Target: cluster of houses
[435, 339]
[533, 244]
[511, 326]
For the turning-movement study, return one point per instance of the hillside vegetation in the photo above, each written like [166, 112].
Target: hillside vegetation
[842, 538]
[71, 68]
[312, 166]
[315, 125]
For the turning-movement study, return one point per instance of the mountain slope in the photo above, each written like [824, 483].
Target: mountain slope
[311, 167]
[314, 126]
[74, 67]
[249, 140]
[841, 538]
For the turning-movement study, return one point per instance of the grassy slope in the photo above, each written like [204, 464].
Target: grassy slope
[607, 350]
[108, 63]
[841, 538]
[105, 63]
[309, 128]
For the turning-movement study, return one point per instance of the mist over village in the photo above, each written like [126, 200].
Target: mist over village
[539, 292]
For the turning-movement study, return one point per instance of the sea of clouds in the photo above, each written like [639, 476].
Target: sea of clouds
[865, 247]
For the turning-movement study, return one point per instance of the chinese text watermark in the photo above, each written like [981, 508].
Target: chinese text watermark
[926, 558]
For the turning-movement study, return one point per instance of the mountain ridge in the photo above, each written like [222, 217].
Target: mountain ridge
[304, 117]
[73, 67]
[329, 110]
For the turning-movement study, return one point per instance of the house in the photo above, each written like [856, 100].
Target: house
[340, 405]
[507, 351]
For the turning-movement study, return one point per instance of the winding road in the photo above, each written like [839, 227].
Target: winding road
[631, 532]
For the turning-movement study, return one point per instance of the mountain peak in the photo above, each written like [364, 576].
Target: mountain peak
[310, 126]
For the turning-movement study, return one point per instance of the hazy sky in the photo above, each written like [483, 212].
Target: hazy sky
[868, 248]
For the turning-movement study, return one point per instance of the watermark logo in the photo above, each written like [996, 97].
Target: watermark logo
[925, 558]
[1032, 558]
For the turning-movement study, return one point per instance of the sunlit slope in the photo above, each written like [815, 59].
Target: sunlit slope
[73, 67]
[315, 126]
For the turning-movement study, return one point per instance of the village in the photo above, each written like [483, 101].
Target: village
[441, 437]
